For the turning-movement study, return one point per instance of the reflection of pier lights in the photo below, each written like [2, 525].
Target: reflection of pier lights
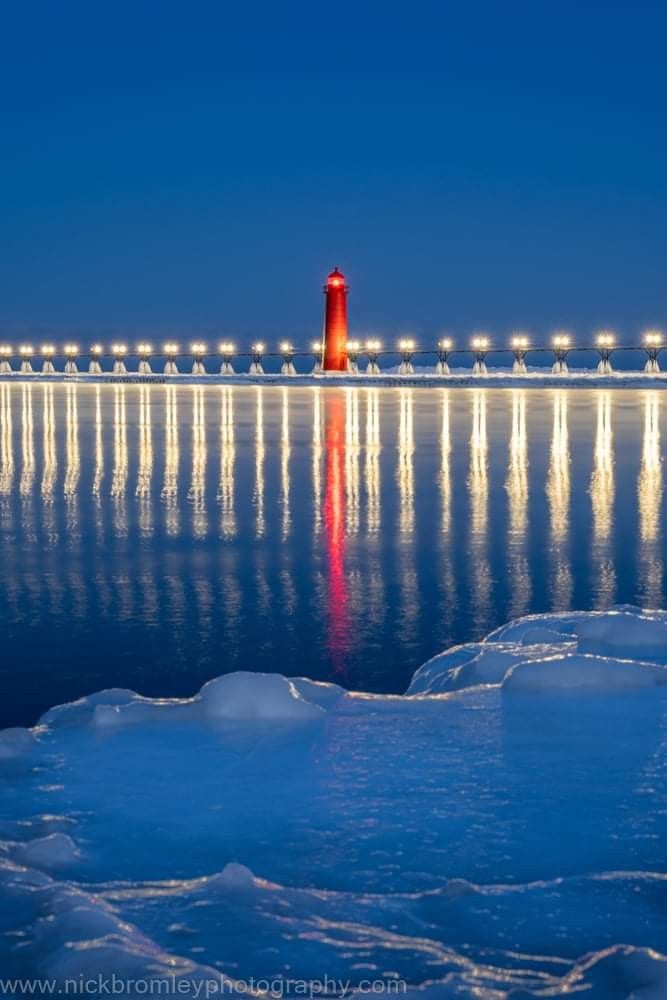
[48, 350]
[119, 352]
[256, 352]
[94, 366]
[605, 342]
[480, 348]
[170, 366]
[198, 350]
[353, 348]
[226, 349]
[653, 341]
[373, 348]
[520, 346]
[316, 348]
[287, 353]
[444, 347]
[5, 359]
[406, 346]
[561, 343]
[26, 353]
[144, 350]
[71, 352]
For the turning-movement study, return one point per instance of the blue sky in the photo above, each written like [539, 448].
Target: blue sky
[171, 167]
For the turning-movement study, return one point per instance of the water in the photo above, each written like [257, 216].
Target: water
[155, 536]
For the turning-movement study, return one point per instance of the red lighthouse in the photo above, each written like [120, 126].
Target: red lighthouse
[335, 323]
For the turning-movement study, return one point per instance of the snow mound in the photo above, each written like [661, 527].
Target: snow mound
[582, 672]
[256, 697]
[606, 651]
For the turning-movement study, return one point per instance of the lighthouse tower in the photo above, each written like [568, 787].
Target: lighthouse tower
[335, 323]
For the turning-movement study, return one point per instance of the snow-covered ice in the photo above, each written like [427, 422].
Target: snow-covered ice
[499, 831]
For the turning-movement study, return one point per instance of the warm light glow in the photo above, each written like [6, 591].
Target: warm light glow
[258, 348]
[96, 349]
[520, 342]
[286, 347]
[335, 282]
[47, 350]
[353, 346]
[561, 340]
[653, 338]
[480, 343]
[119, 349]
[5, 351]
[406, 344]
[198, 348]
[605, 338]
[373, 345]
[171, 348]
[316, 346]
[144, 349]
[71, 350]
[226, 348]
[445, 343]
[25, 350]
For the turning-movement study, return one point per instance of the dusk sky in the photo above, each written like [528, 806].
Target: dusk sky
[171, 167]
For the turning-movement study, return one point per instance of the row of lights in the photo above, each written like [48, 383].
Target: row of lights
[605, 339]
[480, 345]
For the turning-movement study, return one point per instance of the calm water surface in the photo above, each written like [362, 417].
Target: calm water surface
[155, 536]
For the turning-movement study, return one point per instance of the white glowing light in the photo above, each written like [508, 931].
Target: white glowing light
[25, 350]
[480, 343]
[5, 351]
[258, 348]
[520, 342]
[96, 349]
[144, 349]
[286, 347]
[71, 350]
[445, 343]
[47, 350]
[353, 346]
[406, 344]
[171, 348]
[373, 345]
[653, 338]
[561, 340]
[198, 348]
[119, 350]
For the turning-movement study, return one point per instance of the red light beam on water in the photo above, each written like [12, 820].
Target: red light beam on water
[334, 527]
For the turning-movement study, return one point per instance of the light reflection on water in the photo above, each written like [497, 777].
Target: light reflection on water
[154, 536]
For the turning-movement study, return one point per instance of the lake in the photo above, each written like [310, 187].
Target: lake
[155, 536]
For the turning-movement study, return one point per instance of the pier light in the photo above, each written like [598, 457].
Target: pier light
[316, 347]
[287, 352]
[144, 351]
[70, 351]
[256, 353]
[562, 344]
[605, 341]
[445, 345]
[480, 345]
[119, 352]
[226, 349]
[94, 366]
[353, 348]
[47, 351]
[171, 350]
[406, 346]
[5, 359]
[26, 352]
[373, 348]
[653, 341]
[198, 349]
[520, 345]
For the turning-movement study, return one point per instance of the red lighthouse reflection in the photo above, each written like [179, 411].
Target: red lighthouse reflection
[334, 527]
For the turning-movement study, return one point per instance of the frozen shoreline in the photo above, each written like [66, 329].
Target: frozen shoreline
[498, 828]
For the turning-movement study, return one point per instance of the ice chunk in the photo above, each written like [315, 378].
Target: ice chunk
[625, 634]
[55, 851]
[256, 697]
[16, 743]
[582, 672]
